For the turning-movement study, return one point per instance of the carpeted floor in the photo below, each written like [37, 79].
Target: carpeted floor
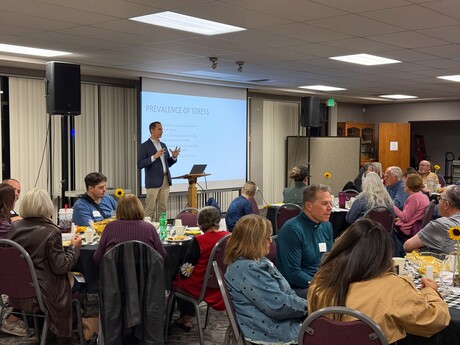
[213, 334]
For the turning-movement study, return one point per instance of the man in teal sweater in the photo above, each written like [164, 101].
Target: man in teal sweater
[304, 239]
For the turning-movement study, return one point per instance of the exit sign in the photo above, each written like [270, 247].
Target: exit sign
[331, 102]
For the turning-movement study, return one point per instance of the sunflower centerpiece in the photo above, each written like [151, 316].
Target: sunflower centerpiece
[454, 234]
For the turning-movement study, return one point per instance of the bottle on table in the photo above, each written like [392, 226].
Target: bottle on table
[163, 226]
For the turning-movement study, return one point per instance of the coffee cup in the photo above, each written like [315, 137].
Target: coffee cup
[89, 235]
[180, 230]
[177, 222]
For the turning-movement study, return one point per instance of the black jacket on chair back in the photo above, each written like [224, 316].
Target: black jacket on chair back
[132, 295]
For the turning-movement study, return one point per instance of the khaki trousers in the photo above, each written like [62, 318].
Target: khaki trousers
[156, 200]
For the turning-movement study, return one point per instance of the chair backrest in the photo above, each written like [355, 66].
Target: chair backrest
[255, 207]
[284, 213]
[441, 180]
[18, 278]
[132, 284]
[235, 329]
[189, 216]
[217, 255]
[351, 193]
[383, 215]
[428, 216]
[317, 329]
[272, 253]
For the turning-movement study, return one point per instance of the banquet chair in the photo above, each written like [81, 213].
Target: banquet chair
[18, 280]
[441, 180]
[428, 216]
[351, 193]
[255, 207]
[383, 215]
[284, 213]
[233, 330]
[132, 295]
[317, 329]
[209, 281]
[188, 216]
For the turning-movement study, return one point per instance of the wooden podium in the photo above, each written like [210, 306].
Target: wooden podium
[192, 194]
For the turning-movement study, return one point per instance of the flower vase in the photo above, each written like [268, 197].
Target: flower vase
[456, 268]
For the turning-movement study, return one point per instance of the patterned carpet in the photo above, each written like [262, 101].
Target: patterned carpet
[213, 334]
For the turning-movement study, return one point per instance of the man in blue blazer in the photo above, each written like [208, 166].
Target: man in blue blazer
[153, 156]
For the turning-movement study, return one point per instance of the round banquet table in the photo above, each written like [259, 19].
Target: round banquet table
[90, 270]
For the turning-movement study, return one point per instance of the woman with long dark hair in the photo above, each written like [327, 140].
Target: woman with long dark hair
[7, 200]
[358, 273]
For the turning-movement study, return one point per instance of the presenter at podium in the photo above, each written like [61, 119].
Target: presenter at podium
[153, 156]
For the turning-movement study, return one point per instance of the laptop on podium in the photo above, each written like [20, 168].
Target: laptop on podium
[197, 169]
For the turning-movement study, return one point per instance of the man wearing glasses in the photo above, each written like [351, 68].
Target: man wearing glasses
[434, 236]
[430, 179]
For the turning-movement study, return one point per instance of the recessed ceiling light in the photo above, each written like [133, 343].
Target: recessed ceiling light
[451, 77]
[322, 88]
[187, 23]
[365, 59]
[398, 96]
[8, 48]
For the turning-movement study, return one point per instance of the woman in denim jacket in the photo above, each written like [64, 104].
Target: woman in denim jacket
[267, 309]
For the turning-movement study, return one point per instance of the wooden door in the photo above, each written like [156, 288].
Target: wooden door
[394, 145]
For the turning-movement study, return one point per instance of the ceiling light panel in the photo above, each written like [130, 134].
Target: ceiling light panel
[397, 96]
[8, 48]
[182, 22]
[322, 88]
[365, 59]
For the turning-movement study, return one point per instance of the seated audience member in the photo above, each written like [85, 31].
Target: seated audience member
[409, 171]
[129, 226]
[267, 309]
[430, 179]
[191, 273]
[17, 191]
[304, 239]
[240, 206]
[358, 274]
[7, 200]
[377, 168]
[357, 183]
[94, 205]
[393, 181]
[434, 236]
[373, 194]
[410, 218]
[294, 193]
[42, 239]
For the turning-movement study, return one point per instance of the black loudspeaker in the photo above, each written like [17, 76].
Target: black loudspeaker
[63, 90]
[309, 112]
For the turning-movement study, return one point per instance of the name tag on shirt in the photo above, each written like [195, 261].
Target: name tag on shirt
[322, 247]
[96, 214]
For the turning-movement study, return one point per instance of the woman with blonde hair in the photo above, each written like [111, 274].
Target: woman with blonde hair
[267, 309]
[129, 226]
[42, 239]
[358, 274]
[294, 193]
[373, 194]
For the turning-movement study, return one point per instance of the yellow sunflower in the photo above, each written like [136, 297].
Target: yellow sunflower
[436, 167]
[119, 192]
[327, 174]
[454, 233]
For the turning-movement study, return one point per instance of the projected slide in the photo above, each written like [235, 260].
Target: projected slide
[208, 123]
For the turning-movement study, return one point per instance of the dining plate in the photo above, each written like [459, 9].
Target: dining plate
[176, 240]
